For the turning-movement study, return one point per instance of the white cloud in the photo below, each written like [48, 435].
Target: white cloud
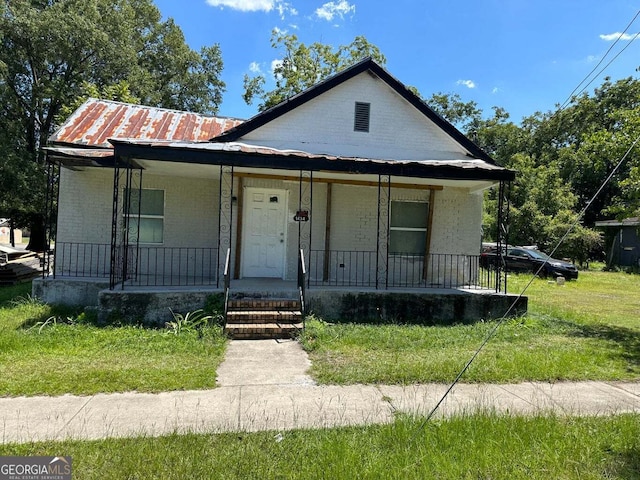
[610, 37]
[332, 9]
[285, 8]
[281, 6]
[466, 83]
[244, 5]
[592, 58]
[254, 67]
[495, 90]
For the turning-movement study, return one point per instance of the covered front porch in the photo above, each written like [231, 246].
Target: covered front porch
[182, 228]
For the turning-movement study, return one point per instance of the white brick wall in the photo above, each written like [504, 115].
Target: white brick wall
[457, 222]
[191, 216]
[325, 125]
[84, 208]
[86, 199]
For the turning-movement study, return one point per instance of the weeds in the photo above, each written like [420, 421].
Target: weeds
[26, 301]
[190, 322]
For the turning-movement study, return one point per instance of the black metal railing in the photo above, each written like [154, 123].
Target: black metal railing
[175, 266]
[183, 266]
[227, 283]
[153, 266]
[72, 259]
[302, 282]
[350, 268]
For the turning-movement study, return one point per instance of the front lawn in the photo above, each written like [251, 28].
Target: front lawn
[465, 447]
[73, 355]
[584, 330]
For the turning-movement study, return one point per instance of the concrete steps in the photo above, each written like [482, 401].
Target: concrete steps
[250, 317]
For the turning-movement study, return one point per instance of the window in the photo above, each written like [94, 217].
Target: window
[361, 118]
[151, 205]
[408, 228]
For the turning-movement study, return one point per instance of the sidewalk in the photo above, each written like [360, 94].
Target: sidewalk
[263, 386]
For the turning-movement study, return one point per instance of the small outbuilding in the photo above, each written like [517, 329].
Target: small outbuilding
[622, 241]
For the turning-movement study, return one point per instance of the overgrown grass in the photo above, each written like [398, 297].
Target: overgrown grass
[466, 447]
[584, 330]
[51, 351]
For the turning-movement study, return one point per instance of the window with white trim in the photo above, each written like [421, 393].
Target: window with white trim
[408, 228]
[150, 203]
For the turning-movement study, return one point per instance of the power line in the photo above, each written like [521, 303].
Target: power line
[575, 90]
[577, 220]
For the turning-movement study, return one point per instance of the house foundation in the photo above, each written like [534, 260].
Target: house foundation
[154, 306]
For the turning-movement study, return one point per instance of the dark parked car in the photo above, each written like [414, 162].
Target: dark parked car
[529, 260]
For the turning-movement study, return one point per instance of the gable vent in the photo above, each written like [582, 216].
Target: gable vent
[362, 116]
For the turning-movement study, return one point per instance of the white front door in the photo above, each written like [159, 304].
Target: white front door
[264, 237]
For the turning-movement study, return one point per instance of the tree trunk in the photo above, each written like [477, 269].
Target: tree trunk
[37, 240]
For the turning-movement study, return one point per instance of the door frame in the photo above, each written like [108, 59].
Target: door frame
[246, 228]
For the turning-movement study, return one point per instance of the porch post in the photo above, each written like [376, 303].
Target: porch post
[427, 247]
[305, 204]
[502, 234]
[225, 217]
[52, 200]
[114, 270]
[382, 244]
[126, 212]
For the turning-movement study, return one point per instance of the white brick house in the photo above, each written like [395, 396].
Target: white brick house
[357, 173]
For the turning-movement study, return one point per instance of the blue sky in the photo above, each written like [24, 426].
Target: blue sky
[522, 55]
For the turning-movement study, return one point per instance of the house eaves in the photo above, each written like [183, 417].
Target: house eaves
[365, 65]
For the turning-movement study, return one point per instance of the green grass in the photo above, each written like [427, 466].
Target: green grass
[466, 447]
[73, 355]
[584, 330]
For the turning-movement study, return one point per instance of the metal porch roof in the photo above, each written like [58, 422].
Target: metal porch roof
[96, 121]
[242, 154]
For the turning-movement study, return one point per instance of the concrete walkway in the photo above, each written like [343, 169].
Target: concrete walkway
[264, 386]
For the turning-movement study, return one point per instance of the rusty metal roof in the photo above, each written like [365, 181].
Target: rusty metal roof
[96, 121]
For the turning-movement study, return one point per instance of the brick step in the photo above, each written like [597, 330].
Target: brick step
[269, 304]
[263, 316]
[265, 330]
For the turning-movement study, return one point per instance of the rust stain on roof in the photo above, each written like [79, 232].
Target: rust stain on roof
[96, 121]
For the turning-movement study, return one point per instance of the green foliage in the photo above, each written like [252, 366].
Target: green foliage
[214, 306]
[302, 66]
[54, 54]
[190, 322]
[453, 109]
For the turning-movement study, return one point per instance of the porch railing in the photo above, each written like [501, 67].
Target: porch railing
[167, 266]
[349, 268]
[177, 266]
[154, 266]
[82, 259]
[227, 284]
[302, 281]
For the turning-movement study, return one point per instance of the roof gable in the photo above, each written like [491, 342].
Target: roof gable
[250, 128]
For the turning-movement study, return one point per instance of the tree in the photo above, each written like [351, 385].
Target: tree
[303, 66]
[586, 139]
[453, 109]
[53, 51]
